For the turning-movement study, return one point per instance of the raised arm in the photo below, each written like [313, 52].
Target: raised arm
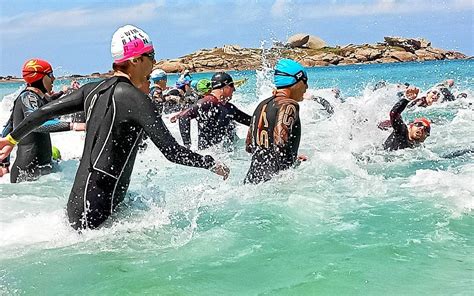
[396, 115]
[146, 115]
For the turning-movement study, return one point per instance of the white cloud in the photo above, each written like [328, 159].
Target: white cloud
[376, 7]
[280, 8]
[78, 17]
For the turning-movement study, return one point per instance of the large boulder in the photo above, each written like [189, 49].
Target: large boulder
[409, 44]
[454, 55]
[403, 56]
[172, 66]
[231, 49]
[306, 40]
[424, 55]
[370, 54]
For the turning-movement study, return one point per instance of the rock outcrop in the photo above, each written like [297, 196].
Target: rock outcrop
[234, 57]
[298, 47]
[305, 41]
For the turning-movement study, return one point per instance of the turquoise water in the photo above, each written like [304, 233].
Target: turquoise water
[353, 220]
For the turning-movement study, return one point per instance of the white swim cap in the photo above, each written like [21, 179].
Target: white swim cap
[129, 42]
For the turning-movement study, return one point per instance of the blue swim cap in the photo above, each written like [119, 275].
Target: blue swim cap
[157, 75]
[194, 84]
[288, 73]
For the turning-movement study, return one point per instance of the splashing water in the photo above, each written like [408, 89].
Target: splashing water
[354, 219]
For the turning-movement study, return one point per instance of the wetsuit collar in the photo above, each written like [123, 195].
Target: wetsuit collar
[36, 91]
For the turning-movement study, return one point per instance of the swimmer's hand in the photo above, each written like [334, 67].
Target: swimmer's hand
[302, 157]
[221, 170]
[4, 171]
[5, 148]
[174, 118]
[411, 93]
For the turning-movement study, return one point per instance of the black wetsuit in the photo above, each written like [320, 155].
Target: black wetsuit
[398, 139]
[215, 121]
[117, 115]
[326, 105]
[273, 138]
[33, 157]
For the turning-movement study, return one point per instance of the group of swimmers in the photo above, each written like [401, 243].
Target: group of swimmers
[119, 111]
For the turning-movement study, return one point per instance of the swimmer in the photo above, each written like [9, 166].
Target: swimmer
[404, 136]
[215, 114]
[275, 131]
[33, 157]
[117, 114]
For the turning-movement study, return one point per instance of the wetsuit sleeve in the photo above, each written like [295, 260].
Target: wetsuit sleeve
[30, 103]
[147, 116]
[240, 116]
[54, 125]
[323, 102]
[56, 96]
[68, 104]
[396, 116]
[185, 131]
[192, 111]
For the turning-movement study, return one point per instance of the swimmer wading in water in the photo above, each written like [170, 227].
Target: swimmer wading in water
[117, 114]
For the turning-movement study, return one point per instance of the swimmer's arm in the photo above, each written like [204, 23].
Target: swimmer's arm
[396, 115]
[192, 112]
[185, 131]
[68, 104]
[53, 125]
[240, 116]
[323, 102]
[147, 117]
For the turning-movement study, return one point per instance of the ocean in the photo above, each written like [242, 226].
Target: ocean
[352, 220]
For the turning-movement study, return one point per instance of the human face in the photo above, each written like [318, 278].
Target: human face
[147, 62]
[419, 132]
[298, 90]
[228, 90]
[48, 80]
[431, 97]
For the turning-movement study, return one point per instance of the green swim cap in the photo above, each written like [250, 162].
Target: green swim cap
[56, 153]
[204, 86]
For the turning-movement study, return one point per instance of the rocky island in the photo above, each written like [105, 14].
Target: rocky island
[309, 50]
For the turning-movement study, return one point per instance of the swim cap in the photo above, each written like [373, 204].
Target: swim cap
[221, 79]
[204, 86]
[35, 69]
[56, 154]
[182, 84]
[129, 42]
[158, 75]
[288, 73]
[194, 84]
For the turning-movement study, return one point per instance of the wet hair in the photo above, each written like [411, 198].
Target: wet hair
[39, 85]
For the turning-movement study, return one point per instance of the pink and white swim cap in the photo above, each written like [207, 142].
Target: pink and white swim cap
[129, 42]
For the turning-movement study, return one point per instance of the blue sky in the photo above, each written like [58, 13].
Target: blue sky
[75, 35]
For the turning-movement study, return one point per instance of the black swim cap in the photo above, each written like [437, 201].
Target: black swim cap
[221, 79]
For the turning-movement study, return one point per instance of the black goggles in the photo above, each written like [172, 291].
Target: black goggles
[150, 55]
[299, 76]
[426, 128]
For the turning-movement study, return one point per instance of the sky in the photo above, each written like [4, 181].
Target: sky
[75, 35]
